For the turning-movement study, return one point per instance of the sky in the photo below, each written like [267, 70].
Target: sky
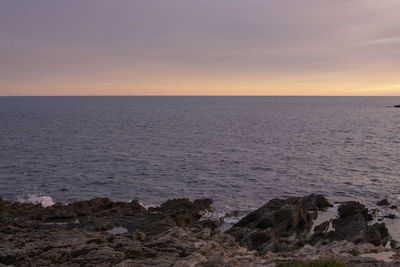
[200, 47]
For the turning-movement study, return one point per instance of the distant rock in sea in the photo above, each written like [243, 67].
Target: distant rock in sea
[396, 106]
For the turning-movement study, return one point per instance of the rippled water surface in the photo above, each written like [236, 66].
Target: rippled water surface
[241, 151]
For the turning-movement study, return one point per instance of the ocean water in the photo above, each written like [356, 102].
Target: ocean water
[240, 151]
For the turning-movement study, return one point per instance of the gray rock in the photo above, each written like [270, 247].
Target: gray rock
[351, 228]
[383, 202]
[265, 228]
[350, 208]
[394, 244]
[322, 228]
[378, 234]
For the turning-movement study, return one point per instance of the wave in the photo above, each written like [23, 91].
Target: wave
[37, 198]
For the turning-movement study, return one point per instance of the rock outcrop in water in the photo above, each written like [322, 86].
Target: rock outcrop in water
[100, 232]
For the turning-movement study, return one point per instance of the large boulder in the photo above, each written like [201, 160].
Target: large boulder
[378, 234]
[271, 226]
[352, 225]
[351, 228]
[350, 208]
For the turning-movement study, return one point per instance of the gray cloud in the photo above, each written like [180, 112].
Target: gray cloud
[74, 38]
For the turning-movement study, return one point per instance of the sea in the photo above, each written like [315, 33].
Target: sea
[239, 151]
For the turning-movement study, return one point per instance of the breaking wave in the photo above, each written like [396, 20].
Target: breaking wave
[36, 198]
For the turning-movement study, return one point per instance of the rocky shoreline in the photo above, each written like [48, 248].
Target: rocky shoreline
[100, 232]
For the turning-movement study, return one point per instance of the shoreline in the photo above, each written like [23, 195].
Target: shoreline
[177, 232]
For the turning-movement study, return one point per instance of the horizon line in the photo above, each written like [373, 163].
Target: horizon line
[199, 95]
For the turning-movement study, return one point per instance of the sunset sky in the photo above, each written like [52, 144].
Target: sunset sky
[200, 47]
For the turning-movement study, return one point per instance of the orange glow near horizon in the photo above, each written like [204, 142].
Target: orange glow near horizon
[240, 87]
[99, 47]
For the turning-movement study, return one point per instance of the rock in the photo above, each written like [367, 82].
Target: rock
[394, 244]
[350, 208]
[170, 235]
[351, 228]
[322, 228]
[256, 240]
[378, 234]
[383, 202]
[317, 202]
[390, 216]
[12, 256]
[263, 229]
[354, 228]
[141, 236]
[393, 207]
[396, 106]
[183, 211]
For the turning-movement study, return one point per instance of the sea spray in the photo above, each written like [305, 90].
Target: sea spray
[36, 198]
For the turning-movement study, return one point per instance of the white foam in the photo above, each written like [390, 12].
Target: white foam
[146, 206]
[39, 198]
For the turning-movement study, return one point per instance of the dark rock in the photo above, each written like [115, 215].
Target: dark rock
[76, 234]
[391, 216]
[351, 208]
[285, 217]
[264, 228]
[393, 207]
[383, 202]
[378, 234]
[322, 228]
[320, 233]
[256, 240]
[351, 228]
[317, 202]
[354, 228]
[396, 106]
[394, 244]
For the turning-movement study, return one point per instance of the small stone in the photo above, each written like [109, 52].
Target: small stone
[394, 244]
[383, 202]
[141, 236]
[393, 207]
[390, 216]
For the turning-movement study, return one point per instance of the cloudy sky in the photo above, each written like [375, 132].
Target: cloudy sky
[200, 47]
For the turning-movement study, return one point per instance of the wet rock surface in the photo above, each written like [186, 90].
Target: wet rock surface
[100, 232]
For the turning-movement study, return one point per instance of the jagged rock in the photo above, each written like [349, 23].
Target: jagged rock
[350, 208]
[351, 228]
[322, 228]
[378, 234]
[383, 202]
[394, 244]
[317, 202]
[354, 228]
[170, 235]
[264, 228]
